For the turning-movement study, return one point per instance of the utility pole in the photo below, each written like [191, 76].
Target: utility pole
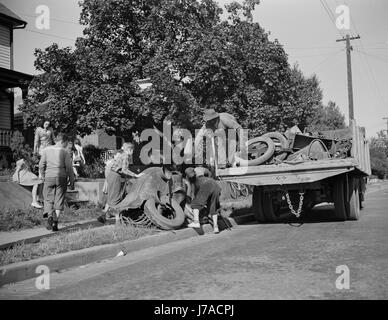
[349, 68]
[387, 125]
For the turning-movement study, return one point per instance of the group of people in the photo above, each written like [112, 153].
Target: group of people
[60, 157]
[202, 191]
[60, 161]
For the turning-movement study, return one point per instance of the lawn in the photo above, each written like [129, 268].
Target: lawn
[18, 219]
[80, 239]
[71, 241]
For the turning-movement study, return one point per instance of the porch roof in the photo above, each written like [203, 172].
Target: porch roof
[12, 79]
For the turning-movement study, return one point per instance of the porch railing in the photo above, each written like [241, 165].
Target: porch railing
[108, 154]
[5, 137]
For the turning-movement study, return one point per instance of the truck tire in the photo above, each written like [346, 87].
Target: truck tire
[278, 138]
[273, 212]
[261, 159]
[170, 219]
[269, 210]
[339, 198]
[353, 204]
[362, 192]
[257, 204]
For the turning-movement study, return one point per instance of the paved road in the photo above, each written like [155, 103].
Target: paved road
[271, 261]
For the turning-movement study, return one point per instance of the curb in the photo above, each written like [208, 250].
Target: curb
[20, 271]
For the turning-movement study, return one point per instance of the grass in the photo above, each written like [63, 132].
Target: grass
[71, 241]
[80, 239]
[19, 219]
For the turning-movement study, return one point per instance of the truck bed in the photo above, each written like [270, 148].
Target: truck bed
[306, 171]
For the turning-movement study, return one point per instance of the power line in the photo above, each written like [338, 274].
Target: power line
[360, 73]
[49, 35]
[317, 55]
[366, 61]
[330, 15]
[326, 59]
[373, 56]
[54, 19]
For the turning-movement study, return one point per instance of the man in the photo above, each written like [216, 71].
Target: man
[55, 167]
[219, 121]
[206, 197]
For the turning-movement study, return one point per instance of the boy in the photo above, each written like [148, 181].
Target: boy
[55, 167]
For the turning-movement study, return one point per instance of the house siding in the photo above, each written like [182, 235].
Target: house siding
[5, 112]
[5, 47]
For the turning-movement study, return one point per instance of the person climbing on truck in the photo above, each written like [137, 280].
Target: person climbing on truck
[224, 149]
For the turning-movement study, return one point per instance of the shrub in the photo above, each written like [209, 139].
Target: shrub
[21, 150]
[95, 166]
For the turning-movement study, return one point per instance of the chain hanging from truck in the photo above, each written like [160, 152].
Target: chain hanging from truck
[301, 198]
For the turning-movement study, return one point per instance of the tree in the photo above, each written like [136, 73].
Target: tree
[379, 155]
[328, 117]
[305, 99]
[192, 58]
[94, 86]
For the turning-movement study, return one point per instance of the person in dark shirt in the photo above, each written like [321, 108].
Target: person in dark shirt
[206, 197]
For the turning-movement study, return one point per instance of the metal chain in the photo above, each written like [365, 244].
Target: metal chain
[298, 212]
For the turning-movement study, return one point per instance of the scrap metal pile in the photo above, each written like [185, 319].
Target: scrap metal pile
[293, 147]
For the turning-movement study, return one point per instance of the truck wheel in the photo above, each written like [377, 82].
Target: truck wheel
[362, 192]
[257, 204]
[271, 210]
[353, 205]
[170, 218]
[280, 141]
[339, 198]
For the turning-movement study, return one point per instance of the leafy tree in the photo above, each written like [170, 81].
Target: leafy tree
[192, 58]
[379, 155]
[328, 117]
[94, 86]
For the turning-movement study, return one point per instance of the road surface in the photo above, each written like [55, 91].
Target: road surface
[256, 261]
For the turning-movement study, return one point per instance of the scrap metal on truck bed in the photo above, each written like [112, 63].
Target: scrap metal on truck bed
[297, 183]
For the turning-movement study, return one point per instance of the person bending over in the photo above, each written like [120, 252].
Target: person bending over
[206, 198]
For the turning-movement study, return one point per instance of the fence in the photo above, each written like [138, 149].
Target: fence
[109, 154]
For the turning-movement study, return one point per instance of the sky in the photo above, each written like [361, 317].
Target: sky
[306, 29]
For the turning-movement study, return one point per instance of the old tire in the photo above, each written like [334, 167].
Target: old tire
[170, 219]
[262, 158]
[339, 199]
[278, 138]
[353, 205]
[257, 204]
